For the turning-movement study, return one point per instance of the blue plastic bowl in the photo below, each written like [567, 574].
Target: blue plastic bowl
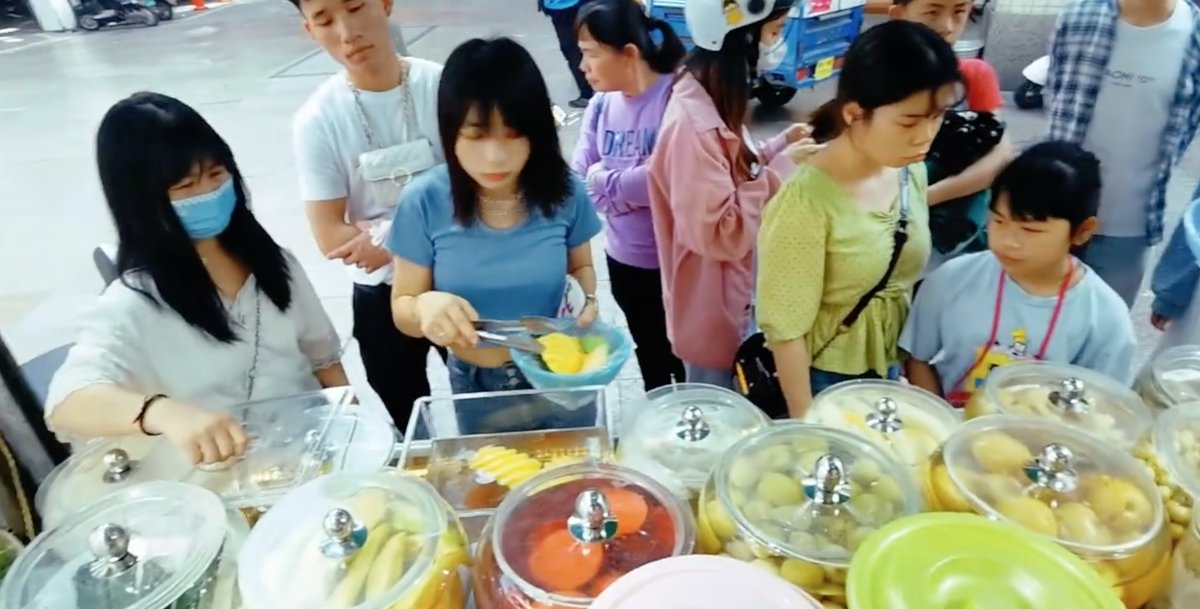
[620, 348]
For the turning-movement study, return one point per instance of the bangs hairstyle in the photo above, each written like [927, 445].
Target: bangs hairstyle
[618, 23]
[147, 143]
[500, 75]
[886, 65]
[1052, 180]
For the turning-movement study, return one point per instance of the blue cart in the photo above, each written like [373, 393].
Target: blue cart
[817, 35]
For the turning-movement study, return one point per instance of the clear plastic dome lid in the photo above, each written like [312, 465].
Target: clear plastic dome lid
[105, 466]
[149, 546]
[1177, 372]
[680, 432]
[813, 492]
[1073, 395]
[345, 540]
[1057, 481]
[1176, 439]
[910, 421]
[567, 533]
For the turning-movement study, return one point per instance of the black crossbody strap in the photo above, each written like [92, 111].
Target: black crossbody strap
[899, 239]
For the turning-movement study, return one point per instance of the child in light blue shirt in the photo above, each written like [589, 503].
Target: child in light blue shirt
[1027, 298]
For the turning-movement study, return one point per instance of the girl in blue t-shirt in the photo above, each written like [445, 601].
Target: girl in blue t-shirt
[494, 233]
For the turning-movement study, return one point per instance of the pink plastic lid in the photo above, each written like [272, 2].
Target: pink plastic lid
[702, 582]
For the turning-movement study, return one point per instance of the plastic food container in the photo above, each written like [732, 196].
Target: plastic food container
[907, 420]
[474, 472]
[798, 500]
[1068, 394]
[953, 560]
[158, 545]
[620, 347]
[103, 467]
[1171, 378]
[356, 541]
[1172, 450]
[681, 431]
[1067, 485]
[293, 440]
[1185, 572]
[560, 539]
[702, 581]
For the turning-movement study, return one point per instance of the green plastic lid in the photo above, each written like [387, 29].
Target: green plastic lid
[963, 561]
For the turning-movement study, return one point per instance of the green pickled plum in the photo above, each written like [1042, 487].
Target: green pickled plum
[777, 458]
[802, 574]
[778, 489]
[743, 473]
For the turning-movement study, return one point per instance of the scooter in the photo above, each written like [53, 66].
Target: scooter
[163, 9]
[1028, 96]
[93, 15]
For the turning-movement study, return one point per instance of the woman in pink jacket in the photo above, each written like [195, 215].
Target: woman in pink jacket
[709, 181]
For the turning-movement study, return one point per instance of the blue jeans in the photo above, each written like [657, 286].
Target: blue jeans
[1120, 261]
[822, 380]
[510, 413]
[721, 377]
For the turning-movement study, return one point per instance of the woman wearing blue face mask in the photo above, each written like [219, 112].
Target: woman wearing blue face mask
[208, 312]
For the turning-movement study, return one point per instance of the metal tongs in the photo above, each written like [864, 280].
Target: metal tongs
[518, 333]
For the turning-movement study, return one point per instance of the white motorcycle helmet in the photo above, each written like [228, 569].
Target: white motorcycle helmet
[709, 21]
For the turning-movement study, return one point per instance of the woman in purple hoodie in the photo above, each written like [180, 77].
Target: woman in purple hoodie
[630, 60]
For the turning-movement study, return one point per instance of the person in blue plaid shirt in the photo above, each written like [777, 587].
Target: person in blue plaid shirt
[1125, 83]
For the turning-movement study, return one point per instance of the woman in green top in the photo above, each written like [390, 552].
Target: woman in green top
[828, 237]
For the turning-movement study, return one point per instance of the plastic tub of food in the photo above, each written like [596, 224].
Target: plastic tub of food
[152, 546]
[798, 500]
[907, 420]
[1064, 484]
[1073, 395]
[1171, 378]
[702, 581]
[1185, 572]
[613, 341]
[1172, 450]
[954, 560]
[356, 541]
[680, 432]
[561, 538]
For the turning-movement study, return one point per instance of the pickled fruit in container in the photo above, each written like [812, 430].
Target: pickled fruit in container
[1172, 450]
[907, 420]
[156, 545]
[356, 541]
[702, 581]
[1185, 572]
[680, 432]
[954, 560]
[1171, 378]
[1073, 395]
[798, 500]
[561, 538]
[1065, 484]
[104, 466]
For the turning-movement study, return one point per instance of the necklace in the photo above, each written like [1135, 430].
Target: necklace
[501, 207]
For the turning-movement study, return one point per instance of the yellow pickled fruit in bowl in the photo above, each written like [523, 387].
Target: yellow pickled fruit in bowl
[596, 359]
[1078, 523]
[562, 354]
[946, 493]
[999, 453]
[1120, 504]
[1029, 513]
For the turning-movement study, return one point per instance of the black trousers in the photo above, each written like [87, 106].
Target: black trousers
[564, 28]
[395, 361]
[639, 294]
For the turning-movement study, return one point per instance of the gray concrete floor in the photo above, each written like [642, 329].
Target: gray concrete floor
[246, 66]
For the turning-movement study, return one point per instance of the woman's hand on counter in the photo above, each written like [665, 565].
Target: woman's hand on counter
[447, 320]
[205, 436]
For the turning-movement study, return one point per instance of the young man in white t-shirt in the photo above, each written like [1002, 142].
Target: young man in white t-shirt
[1125, 83]
[379, 101]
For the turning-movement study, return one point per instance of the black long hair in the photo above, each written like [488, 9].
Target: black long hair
[885, 65]
[147, 143]
[499, 74]
[726, 75]
[616, 23]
